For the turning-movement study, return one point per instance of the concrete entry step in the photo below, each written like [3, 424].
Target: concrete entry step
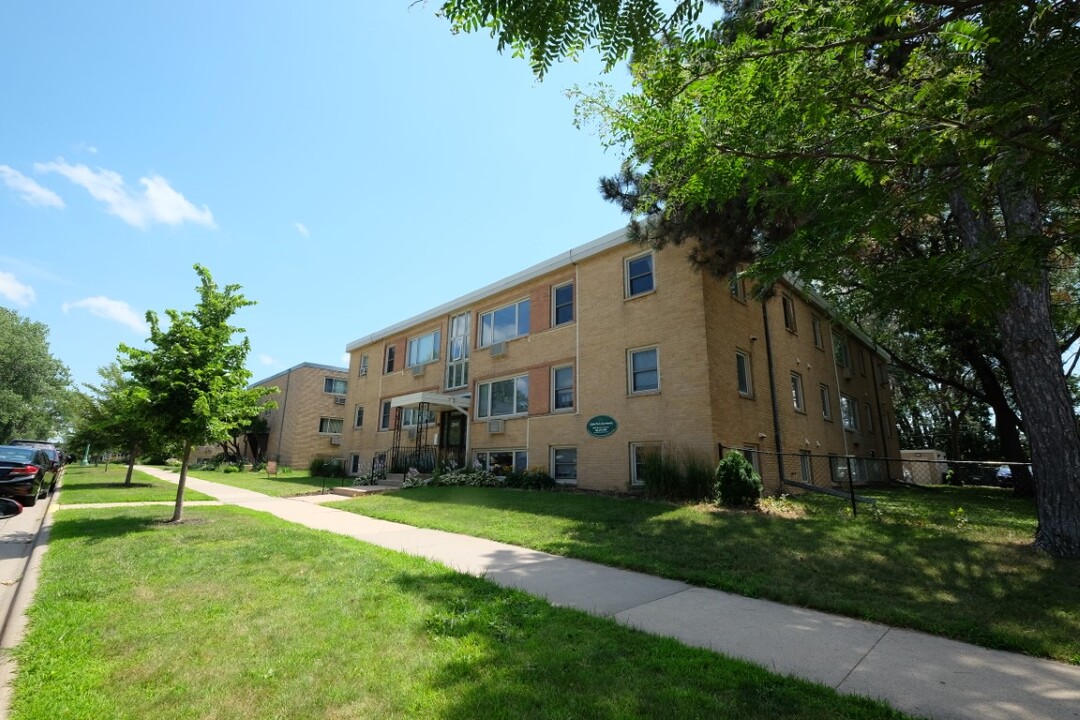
[356, 490]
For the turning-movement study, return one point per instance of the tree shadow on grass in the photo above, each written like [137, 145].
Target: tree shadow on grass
[75, 487]
[101, 527]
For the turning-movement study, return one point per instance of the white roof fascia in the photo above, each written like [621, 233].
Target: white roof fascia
[317, 366]
[613, 239]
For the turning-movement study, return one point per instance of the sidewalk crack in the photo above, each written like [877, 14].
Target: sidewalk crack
[864, 656]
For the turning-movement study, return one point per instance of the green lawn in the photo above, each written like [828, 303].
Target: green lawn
[297, 482]
[235, 614]
[913, 560]
[92, 484]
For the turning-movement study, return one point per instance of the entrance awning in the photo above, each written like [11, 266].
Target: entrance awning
[436, 401]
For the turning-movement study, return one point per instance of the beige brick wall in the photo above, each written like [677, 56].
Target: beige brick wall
[294, 425]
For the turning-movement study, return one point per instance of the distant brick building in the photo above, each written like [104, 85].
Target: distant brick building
[584, 361]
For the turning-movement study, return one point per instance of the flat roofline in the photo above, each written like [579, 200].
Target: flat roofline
[316, 366]
[565, 259]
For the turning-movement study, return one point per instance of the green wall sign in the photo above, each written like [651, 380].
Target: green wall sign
[601, 426]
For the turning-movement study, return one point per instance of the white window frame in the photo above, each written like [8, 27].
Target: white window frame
[737, 286]
[627, 279]
[630, 370]
[412, 358]
[555, 305]
[554, 465]
[515, 453]
[457, 359]
[389, 359]
[819, 339]
[354, 464]
[555, 389]
[520, 330]
[826, 401]
[325, 424]
[752, 453]
[358, 417]
[798, 398]
[635, 481]
[849, 413]
[749, 391]
[333, 384]
[787, 306]
[484, 413]
[386, 415]
[806, 467]
[410, 415]
[363, 365]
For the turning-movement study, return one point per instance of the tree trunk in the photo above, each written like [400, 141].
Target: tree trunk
[178, 510]
[1006, 423]
[1029, 346]
[132, 454]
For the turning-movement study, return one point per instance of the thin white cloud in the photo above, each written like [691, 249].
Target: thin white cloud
[267, 360]
[302, 229]
[28, 189]
[86, 148]
[15, 291]
[115, 310]
[158, 202]
[345, 359]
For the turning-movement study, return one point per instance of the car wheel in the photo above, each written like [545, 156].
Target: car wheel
[29, 501]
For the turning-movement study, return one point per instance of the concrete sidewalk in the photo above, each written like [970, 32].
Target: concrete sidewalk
[920, 674]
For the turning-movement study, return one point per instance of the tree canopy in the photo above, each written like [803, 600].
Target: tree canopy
[35, 387]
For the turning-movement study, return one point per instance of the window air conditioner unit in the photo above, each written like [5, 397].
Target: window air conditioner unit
[412, 433]
[339, 400]
[335, 439]
[498, 349]
[496, 426]
[418, 370]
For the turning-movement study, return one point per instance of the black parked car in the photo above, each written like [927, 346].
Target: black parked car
[23, 473]
[56, 458]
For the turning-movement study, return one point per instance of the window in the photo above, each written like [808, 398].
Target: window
[849, 412]
[639, 275]
[384, 416]
[410, 417]
[354, 464]
[564, 464]
[882, 374]
[358, 418]
[815, 323]
[391, 351]
[862, 361]
[738, 288]
[330, 425]
[500, 398]
[457, 351]
[789, 312]
[506, 323]
[562, 306]
[562, 388]
[645, 370]
[753, 456]
[363, 365]
[826, 402]
[638, 454]
[423, 349]
[797, 398]
[503, 462]
[337, 387]
[742, 372]
[806, 468]
[869, 419]
[840, 349]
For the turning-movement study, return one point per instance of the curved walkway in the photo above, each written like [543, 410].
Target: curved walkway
[920, 674]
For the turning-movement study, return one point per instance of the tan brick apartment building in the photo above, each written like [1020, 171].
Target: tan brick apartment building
[310, 416]
[539, 368]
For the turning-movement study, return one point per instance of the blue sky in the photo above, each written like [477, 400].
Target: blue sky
[349, 164]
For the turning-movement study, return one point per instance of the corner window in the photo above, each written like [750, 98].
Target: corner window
[391, 352]
[797, 398]
[363, 365]
[335, 386]
[789, 312]
[849, 413]
[815, 323]
[330, 426]
[644, 370]
[423, 349]
[503, 462]
[742, 373]
[562, 304]
[358, 418]
[500, 398]
[562, 388]
[564, 465]
[384, 416]
[506, 323]
[826, 402]
[639, 275]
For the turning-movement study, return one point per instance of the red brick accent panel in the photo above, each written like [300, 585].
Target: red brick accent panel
[540, 310]
[540, 390]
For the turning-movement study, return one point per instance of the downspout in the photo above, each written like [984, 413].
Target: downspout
[284, 404]
[772, 387]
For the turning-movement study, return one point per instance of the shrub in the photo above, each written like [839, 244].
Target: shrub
[737, 484]
[535, 478]
[684, 474]
[230, 469]
[475, 476]
[326, 467]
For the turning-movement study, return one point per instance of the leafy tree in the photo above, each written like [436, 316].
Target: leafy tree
[35, 387]
[809, 137]
[193, 378]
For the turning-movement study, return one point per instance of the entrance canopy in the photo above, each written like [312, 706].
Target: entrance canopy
[436, 401]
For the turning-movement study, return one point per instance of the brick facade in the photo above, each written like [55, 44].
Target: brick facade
[296, 435]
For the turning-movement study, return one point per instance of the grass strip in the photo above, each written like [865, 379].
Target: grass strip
[297, 482]
[95, 484]
[956, 562]
[234, 614]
